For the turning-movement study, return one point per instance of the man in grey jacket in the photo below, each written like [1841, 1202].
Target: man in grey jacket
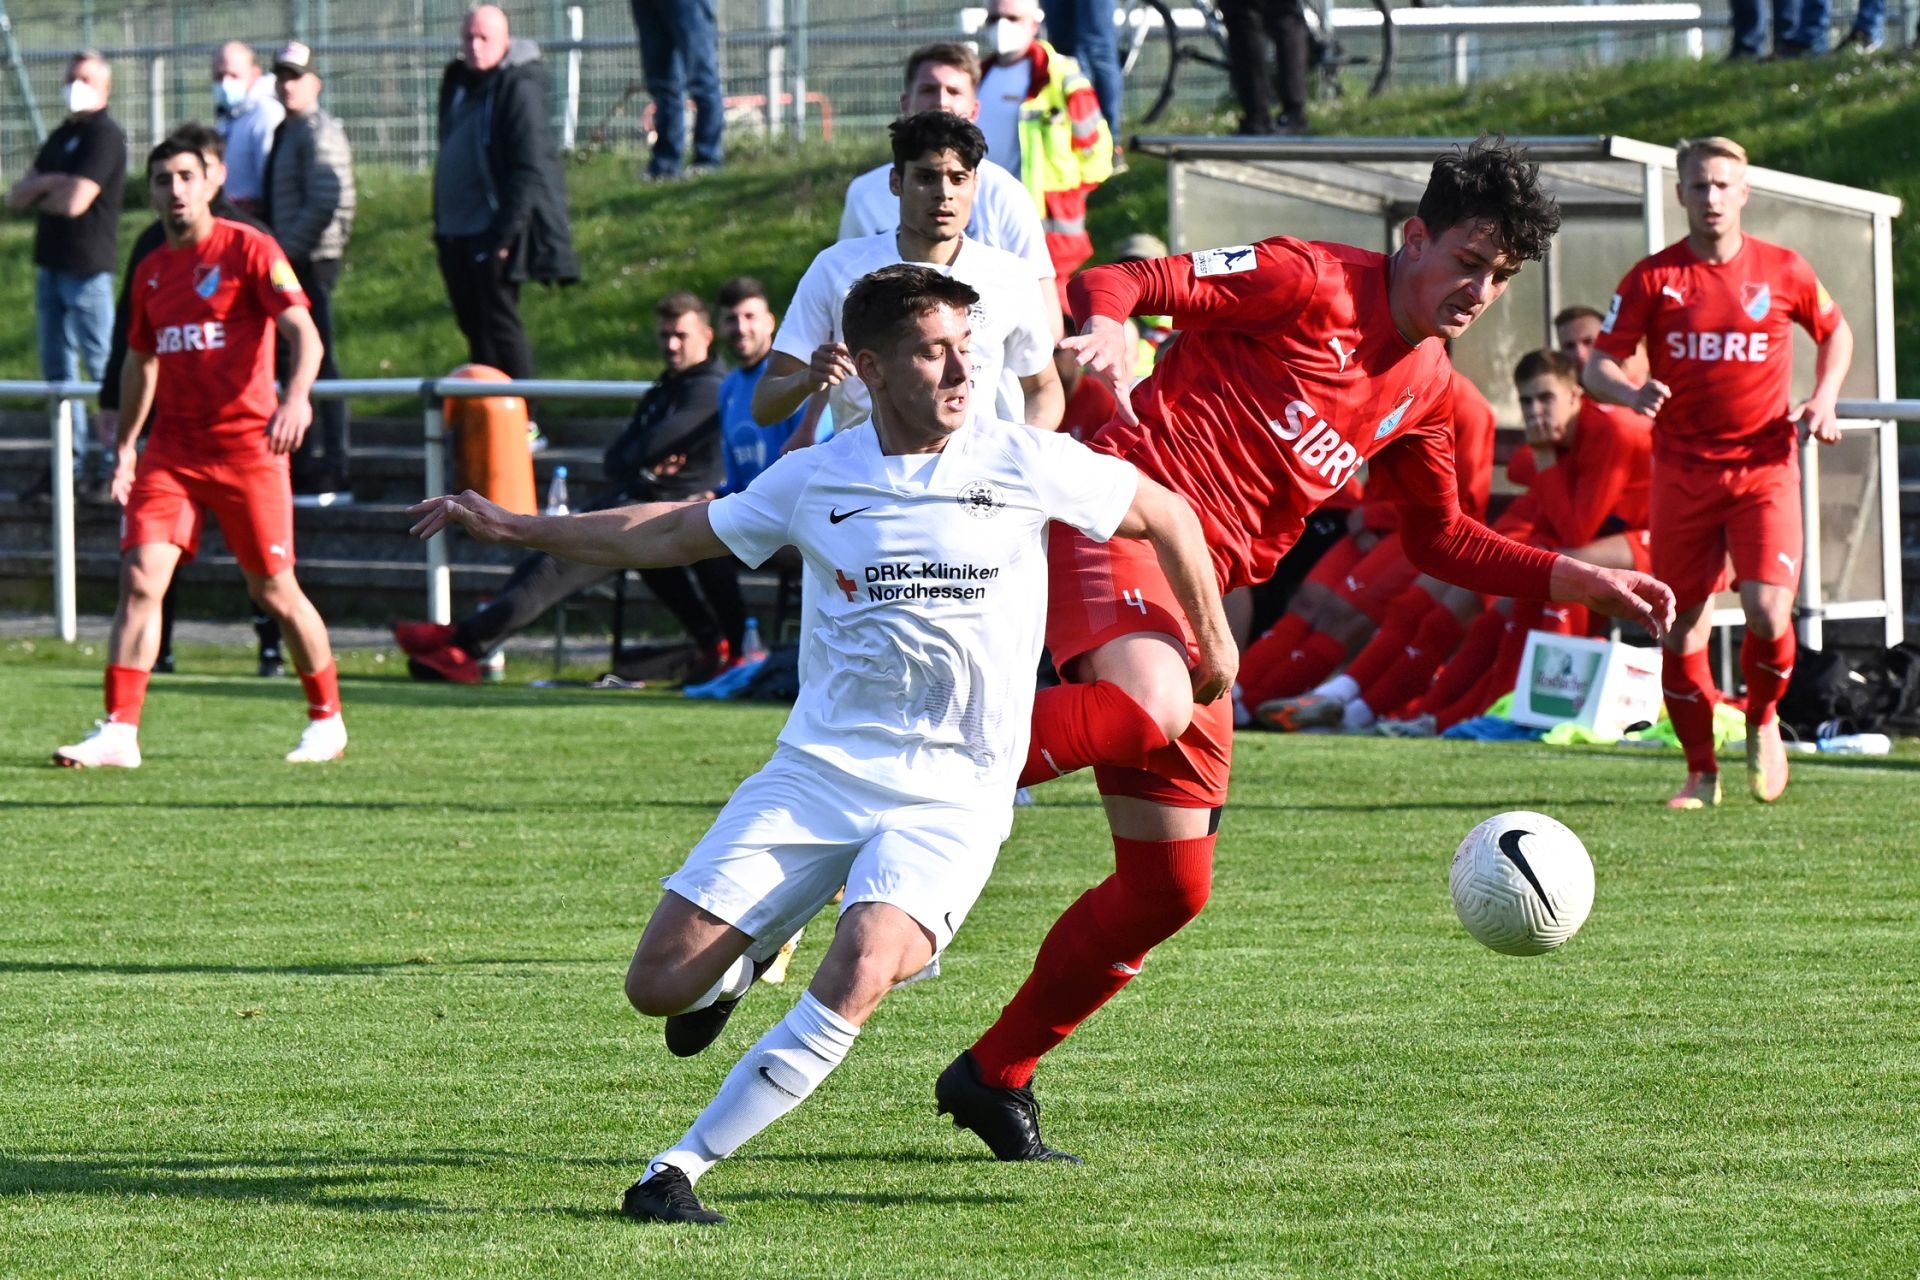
[309, 205]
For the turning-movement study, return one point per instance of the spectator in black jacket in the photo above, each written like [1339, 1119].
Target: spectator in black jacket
[212, 148]
[670, 451]
[499, 192]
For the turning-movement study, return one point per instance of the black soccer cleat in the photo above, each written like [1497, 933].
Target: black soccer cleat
[1007, 1120]
[665, 1195]
[689, 1033]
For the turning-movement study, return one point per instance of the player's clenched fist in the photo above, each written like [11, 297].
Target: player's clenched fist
[472, 512]
[1650, 397]
[1820, 419]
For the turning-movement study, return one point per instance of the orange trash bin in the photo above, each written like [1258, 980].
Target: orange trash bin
[490, 452]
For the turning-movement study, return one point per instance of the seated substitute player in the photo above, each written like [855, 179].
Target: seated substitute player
[204, 311]
[1296, 363]
[1717, 311]
[925, 531]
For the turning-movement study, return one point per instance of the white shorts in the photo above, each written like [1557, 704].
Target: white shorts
[800, 828]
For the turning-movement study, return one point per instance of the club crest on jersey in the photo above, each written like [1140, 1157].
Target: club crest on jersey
[1227, 261]
[1756, 300]
[980, 500]
[206, 279]
[1392, 420]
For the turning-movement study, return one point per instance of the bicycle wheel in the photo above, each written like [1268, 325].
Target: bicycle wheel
[1389, 44]
[1142, 16]
[1333, 53]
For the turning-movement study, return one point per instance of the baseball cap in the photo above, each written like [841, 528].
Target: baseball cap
[1140, 245]
[294, 59]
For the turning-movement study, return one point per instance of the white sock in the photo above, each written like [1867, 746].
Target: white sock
[1357, 715]
[1342, 688]
[733, 984]
[771, 1079]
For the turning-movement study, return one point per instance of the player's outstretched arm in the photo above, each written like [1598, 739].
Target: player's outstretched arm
[1606, 379]
[1618, 593]
[1830, 364]
[1163, 518]
[647, 535]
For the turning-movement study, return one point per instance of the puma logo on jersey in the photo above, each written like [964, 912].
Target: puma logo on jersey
[1341, 351]
[208, 336]
[1786, 560]
[1668, 291]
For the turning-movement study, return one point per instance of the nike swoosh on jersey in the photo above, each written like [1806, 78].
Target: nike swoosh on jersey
[835, 517]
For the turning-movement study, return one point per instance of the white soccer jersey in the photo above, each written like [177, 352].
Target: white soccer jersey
[1004, 215]
[1009, 330]
[929, 573]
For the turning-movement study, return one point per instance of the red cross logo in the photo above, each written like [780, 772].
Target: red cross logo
[846, 584]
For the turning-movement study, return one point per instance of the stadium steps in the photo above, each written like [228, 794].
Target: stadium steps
[356, 561]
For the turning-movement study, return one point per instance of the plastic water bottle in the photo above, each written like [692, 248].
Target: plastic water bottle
[557, 494]
[751, 649]
[1856, 744]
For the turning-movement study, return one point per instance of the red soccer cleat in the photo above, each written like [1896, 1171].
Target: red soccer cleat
[449, 662]
[416, 638]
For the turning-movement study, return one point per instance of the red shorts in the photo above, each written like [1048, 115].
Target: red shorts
[1701, 516]
[251, 499]
[1640, 544]
[1100, 591]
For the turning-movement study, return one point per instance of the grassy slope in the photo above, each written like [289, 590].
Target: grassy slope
[366, 1020]
[1845, 120]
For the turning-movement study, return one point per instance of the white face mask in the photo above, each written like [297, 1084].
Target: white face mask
[82, 96]
[1010, 39]
[230, 92]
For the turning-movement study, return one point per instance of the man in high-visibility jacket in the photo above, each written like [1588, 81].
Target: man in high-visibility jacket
[1043, 122]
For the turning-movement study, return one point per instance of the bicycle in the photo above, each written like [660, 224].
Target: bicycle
[1327, 57]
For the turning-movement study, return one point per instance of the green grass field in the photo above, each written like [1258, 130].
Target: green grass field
[365, 1019]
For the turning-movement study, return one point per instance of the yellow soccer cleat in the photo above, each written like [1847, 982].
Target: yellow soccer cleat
[1766, 762]
[1702, 791]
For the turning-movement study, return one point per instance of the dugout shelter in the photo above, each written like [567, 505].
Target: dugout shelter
[1617, 202]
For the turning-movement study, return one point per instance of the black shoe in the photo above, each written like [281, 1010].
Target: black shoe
[271, 666]
[163, 665]
[1007, 1120]
[689, 1033]
[665, 1195]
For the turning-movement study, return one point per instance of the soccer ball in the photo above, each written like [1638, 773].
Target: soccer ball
[1522, 883]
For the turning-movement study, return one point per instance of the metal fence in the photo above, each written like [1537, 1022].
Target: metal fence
[839, 59]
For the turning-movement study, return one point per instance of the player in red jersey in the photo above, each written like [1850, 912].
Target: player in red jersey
[1717, 310]
[1295, 363]
[204, 311]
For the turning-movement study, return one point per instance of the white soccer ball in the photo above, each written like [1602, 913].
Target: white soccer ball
[1522, 883]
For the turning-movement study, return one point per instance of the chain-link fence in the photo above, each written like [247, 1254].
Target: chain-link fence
[382, 61]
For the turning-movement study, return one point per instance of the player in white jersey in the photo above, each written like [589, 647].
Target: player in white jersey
[925, 532]
[946, 77]
[936, 156]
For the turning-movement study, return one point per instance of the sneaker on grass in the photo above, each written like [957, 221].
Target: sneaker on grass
[111, 745]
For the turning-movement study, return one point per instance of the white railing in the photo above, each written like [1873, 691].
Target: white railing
[60, 397]
[1856, 415]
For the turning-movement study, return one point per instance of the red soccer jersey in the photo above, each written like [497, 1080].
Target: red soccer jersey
[207, 310]
[1599, 484]
[1720, 336]
[1286, 375]
[1474, 427]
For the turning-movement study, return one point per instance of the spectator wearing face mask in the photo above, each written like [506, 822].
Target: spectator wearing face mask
[246, 113]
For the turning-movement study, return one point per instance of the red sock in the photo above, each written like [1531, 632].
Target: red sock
[323, 692]
[1096, 948]
[1468, 665]
[1406, 679]
[1767, 665]
[1316, 659]
[1687, 681]
[1266, 655]
[1397, 631]
[126, 694]
[1075, 725]
[1498, 678]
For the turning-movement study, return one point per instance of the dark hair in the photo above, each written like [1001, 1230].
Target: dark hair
[931, 132]
[738, 290]
[203, 138]
[881, 303]
[1546, 363]
[1578, 311]
[679, 303]
[1492, 181]
[175, 144]
[946, 53]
